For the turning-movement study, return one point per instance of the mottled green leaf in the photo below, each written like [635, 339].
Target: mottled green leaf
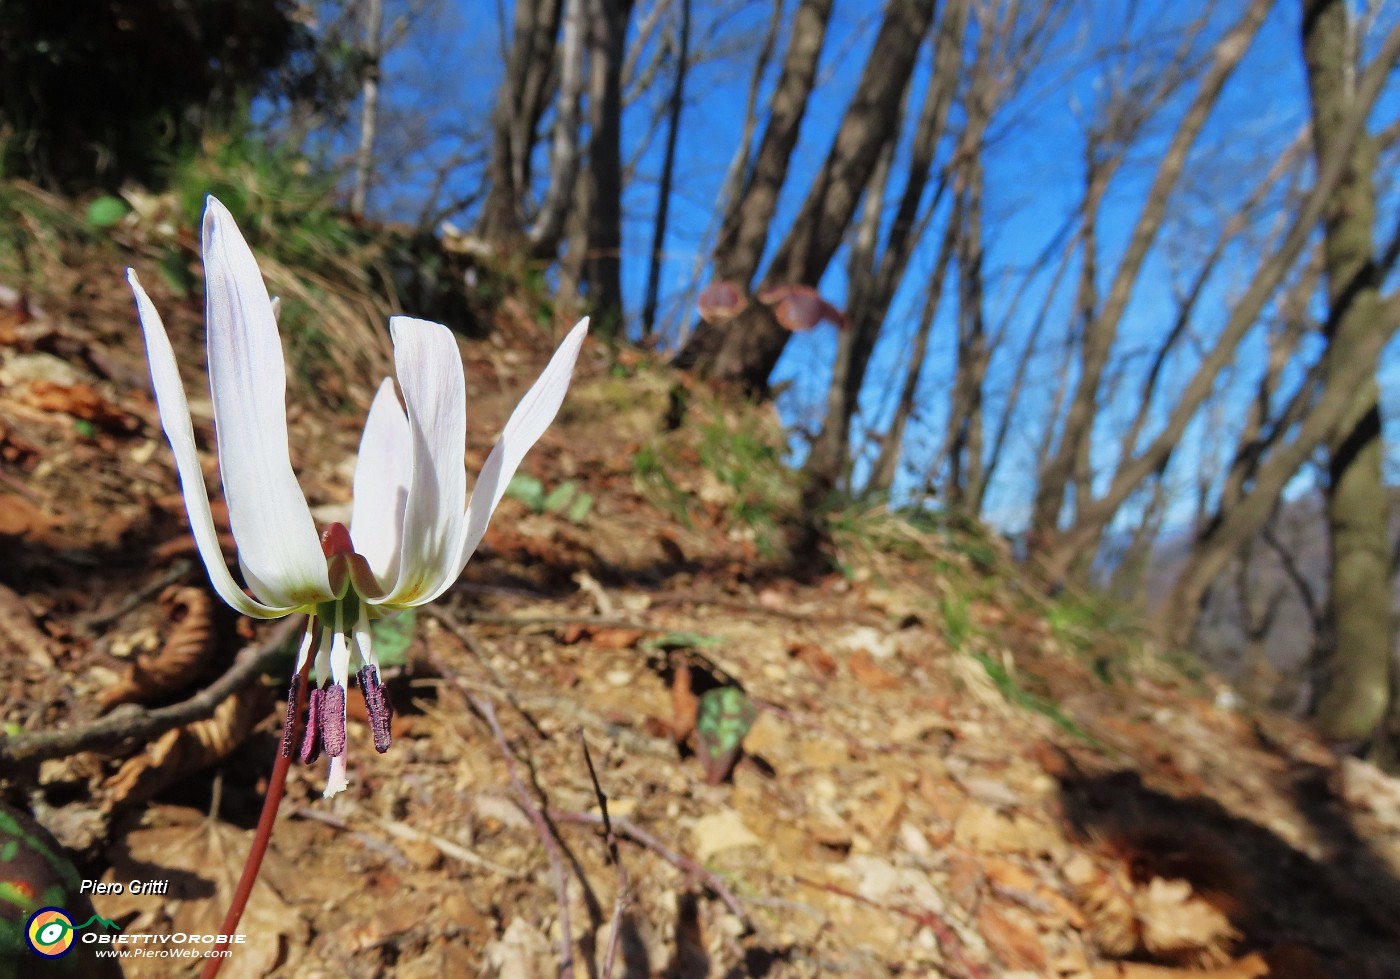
[725, 716]
[392, 637]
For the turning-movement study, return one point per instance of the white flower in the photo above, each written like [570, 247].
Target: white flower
[412, 527]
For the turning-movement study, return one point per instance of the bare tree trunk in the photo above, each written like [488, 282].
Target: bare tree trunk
[749, 346]
[525, 93]
[1241, 516]
[1359, 686]
[602, 265]
[548, 227]
[1244, 520]
[668, 166]
[875, 275]
[1100, 331]
[887, 462]
[744, 233]
[965, 471]
[369, 110]
[738, 163]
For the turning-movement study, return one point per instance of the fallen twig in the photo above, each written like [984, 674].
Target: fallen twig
[133, 724]
[681, 862]
[546, 835]
[624, 884]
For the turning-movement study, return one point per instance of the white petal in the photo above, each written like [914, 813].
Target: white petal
[381, 485]
[277, 540]
[527, 423]
[175, 419]
[430, 376]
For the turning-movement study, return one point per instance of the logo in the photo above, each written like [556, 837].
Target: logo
[50, 931]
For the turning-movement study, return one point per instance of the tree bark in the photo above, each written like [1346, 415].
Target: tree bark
[668, 166]
[875, 275]
[369, 109]
[549, 225]
[602, 265]
[1360, 673]
[1066, 466]
[524, 95]
[749, 346]
[1245, 519]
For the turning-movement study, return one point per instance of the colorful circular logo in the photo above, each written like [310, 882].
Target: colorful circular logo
[50, 932]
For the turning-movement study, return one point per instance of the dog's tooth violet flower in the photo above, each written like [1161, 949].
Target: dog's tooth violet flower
[412, 527]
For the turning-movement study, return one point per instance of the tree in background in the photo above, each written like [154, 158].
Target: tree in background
[95, 92]
[1360, 676]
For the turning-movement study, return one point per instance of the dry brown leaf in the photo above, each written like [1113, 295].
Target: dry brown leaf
[685, 706]
[1178, 925]
[201, 860]
[1251, 966]
[613, 638]
[20, 518]
[80, 401]
[19, 634]
[1017, 945]
[17, 450]
[192, 748]
[816, 659]
[1165, 919]
[868, 674]
[180, 660]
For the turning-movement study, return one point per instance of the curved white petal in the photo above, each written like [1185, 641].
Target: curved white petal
[430, 376]
[175, 419]
[277, 540]
[381, 485]
[527, 423]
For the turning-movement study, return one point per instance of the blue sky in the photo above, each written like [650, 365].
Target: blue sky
[448, 77]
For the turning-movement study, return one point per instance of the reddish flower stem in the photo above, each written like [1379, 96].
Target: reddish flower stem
[276, 786]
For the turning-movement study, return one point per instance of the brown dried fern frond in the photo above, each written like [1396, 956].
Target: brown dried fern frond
[185, 750]
[180, 660]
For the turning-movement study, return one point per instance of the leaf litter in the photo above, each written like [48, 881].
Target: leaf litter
[934, 783]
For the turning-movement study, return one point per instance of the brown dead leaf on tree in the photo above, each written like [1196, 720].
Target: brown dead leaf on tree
[184, 750]
[182, 657]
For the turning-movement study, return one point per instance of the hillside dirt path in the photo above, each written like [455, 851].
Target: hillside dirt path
[943, 777]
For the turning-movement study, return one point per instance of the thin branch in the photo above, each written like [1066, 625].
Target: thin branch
[681, 862]
[133, 724]
[624, 883]
[545, 833]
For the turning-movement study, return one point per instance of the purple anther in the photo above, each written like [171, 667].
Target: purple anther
[311, 737]
[378, 707]
[332, 718]
[290, 723]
